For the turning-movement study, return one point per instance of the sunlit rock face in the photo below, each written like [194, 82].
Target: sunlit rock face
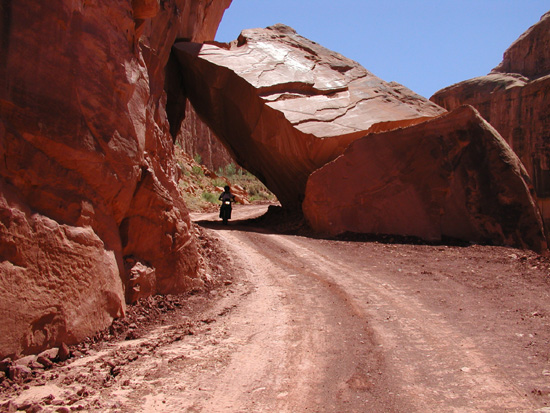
[284, 105]
[515, 99]
[88, 181]
[452, 176]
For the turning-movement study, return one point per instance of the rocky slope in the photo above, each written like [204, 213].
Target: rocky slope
[88, 200]
[515, 99]
[285, 105]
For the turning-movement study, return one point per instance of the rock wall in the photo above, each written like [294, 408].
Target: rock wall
[88, 182]
[285, 105]
[196, 138]
[452, 176]
[515, 99]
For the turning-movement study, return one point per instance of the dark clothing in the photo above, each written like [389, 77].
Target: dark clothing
[225, 209]
[227, 196]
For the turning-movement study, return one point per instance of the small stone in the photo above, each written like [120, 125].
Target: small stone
[34, 408]
[5, 364]
[64, 352]
[45, 361]
[19, 373]
[50, 354]
[35, 365]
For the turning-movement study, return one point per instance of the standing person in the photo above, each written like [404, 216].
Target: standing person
[227, 198]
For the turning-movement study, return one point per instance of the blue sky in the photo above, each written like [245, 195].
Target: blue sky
[422, 44]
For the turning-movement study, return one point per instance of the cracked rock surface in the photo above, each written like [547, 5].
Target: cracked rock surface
[285, 105]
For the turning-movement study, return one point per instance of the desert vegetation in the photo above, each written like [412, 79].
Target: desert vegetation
[200, 186]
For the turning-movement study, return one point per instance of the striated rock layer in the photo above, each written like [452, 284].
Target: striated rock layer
[452, 176]
[515, 99]
[285, 106]
[87, 183]
[196, 138]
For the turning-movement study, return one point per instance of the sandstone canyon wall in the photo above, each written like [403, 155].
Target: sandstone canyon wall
[288, 109]
[196, 138]
[88, 196]
[515, 99]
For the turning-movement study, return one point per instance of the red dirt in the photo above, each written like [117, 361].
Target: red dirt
[310, 324]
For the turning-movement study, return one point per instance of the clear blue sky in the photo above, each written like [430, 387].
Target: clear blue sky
[422, 44]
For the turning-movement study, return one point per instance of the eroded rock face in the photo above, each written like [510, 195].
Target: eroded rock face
[284, 105]
[515, 99]
[88, 178]
[196, 138]
[452, 176]
[530, 54]
[54, 276]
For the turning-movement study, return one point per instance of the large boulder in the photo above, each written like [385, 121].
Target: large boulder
[88, 179]
[453, 176]
[515, 99]
[284, 106]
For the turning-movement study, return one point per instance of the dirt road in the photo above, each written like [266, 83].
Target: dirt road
[313, 325]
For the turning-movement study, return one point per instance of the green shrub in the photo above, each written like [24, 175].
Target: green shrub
[198, 158]
[197, 170]
[219, 182]
[210, 197]
[230, 170]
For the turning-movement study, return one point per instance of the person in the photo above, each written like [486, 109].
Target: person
[225, 210]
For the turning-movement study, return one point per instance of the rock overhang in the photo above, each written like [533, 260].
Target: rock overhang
[285, 106]
[288, 108]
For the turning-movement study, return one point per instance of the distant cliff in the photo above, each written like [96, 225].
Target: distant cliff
[515, 99]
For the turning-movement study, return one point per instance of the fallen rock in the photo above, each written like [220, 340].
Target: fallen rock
[285, 106]
[64, 352]
[515, 99]
[141, 282]
[50, 354]
[453, 176]
[19, 373]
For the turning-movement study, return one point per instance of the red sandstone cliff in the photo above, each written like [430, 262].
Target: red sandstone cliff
[87, 178]
[196, 138]
[515, 99]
